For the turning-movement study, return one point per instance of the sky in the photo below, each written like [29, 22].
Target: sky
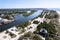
[29, 3]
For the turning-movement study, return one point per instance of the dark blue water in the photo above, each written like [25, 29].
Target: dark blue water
[19, 20]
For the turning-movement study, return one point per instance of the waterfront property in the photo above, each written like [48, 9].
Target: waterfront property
[19, 20]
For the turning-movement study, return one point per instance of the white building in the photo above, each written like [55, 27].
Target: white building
[28, 11]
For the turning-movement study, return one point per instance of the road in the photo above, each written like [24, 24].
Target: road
[34, 26]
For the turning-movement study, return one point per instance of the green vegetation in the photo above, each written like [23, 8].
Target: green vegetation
[22, 12]
[24, 24]
[11, 14]
[12, 35]
[28, 34]
[5, 16]
[49, 27]
[9, 17]
[48, 38]
[35, 22]
[31, 36]
[53, 14]
[7, 31]
[27, 14]
[37, 37]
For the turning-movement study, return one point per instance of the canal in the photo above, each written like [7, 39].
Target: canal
[19, 19]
